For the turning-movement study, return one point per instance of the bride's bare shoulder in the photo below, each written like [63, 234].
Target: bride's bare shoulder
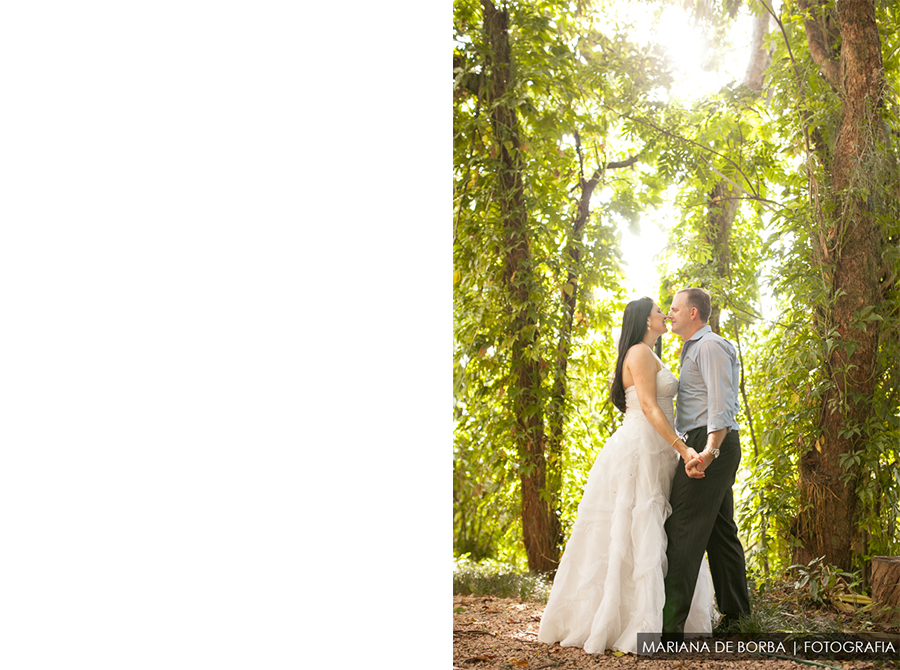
[640, 355]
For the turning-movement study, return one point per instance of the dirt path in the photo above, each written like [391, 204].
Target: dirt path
[491, 633]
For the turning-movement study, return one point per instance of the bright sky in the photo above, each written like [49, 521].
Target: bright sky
[685, 44]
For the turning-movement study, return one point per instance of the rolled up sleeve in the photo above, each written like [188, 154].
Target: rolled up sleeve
[717, 369]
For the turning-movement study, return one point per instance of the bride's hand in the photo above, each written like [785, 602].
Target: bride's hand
[693, 466]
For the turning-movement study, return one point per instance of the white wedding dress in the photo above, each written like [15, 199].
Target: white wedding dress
[609, 585]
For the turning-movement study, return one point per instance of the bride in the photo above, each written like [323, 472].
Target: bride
[609, 585]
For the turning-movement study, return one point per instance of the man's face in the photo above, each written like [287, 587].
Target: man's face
[679, 314]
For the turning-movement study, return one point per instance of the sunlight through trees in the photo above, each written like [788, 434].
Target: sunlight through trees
[782, 185]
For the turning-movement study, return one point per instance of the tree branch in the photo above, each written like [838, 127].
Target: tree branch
[787, 43]
[580, 156]
[696, 144]
[615, 165]
[822, 54]
[753, 196]
[628, 162]
[749, 198]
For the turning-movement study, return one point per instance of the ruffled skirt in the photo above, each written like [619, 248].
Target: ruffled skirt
[609, 585]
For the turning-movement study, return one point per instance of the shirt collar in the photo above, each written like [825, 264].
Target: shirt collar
[700, 333]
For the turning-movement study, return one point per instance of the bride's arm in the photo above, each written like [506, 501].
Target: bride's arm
[643, 367]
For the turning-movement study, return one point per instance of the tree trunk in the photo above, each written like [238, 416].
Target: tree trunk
[557, 404]
[723, 206]
[540, 527]
[760, 57]
[886, 586]
[723, 200]
[826, 524]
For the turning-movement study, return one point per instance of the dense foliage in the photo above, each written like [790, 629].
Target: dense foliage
[801, 382]
[570, 86]
[764, 223]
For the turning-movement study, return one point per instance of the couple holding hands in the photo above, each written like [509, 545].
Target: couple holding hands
[659, 498]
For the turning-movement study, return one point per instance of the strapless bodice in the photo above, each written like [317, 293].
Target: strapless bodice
[666, 389]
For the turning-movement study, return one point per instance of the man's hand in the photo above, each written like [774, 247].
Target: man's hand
[695, 468]
[692, 465]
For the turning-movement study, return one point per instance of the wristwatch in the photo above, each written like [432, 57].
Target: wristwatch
[714, 452]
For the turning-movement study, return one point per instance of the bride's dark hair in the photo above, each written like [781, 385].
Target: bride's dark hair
[634, 328]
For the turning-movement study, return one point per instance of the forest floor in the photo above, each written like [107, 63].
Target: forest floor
[501, 633]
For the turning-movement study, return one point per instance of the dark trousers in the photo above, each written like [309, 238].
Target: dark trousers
[702, 520]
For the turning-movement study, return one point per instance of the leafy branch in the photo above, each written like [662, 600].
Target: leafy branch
[753, 194]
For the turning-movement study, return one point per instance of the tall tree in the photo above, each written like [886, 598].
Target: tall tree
[822, 380]
[540, 525]
[845, 43]
[534, 84]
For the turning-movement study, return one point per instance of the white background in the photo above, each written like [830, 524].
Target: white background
[225, 275]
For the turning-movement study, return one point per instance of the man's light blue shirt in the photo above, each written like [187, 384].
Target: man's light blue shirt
[708, 384]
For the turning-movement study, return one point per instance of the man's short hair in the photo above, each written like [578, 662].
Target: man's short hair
[699, 298]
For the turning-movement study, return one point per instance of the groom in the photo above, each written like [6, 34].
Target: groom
[702, 518]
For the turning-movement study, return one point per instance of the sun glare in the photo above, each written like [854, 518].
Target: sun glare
[686, 46]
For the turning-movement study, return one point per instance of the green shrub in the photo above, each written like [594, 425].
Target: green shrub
[492, 578]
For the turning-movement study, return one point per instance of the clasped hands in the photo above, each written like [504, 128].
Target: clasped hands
[694, 465]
